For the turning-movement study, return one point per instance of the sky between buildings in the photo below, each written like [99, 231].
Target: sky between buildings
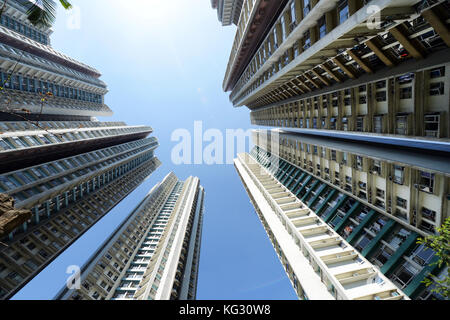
[164, 62]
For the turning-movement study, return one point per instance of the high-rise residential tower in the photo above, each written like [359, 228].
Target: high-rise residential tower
[346, 215]
[61, 170]
[228, 11]
[349, 81]
[154, 254]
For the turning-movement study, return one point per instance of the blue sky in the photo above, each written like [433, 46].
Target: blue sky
[164, 62]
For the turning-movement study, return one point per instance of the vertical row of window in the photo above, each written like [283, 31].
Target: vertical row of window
[280, 32]
[6, 126]
[25, 177]
[134, 275]
[62, 229]
[426, 181]
[21, 28]
[11, 143]
[293, 114]
[411, 263]
[106, 273]
[18, 82]
[282, 173]
[273, 40]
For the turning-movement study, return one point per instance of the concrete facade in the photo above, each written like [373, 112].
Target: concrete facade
[57, 160]
[154, 254]
[360, 93]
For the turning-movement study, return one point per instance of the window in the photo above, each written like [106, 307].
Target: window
[344, 158]
[345, 124]
[343, 10]
[402, 203]
[359, 162]
[360, 124]
[275, 40]
[406, 78]
[283, 28]
[427, 227]
[380, 84]
[380, 193]
[436, 89]
[398, 174]
[426, 182]
[333, 123]
[362, 99]
[389, 245]
[6, 145]
[412, 265]
[293, 15]
[15, 277]
[376, 169]
[363, 241]
[307, 40]
[401, 125]
[429, 214]
[19, 142]
[333, 155]
[437, 73]
[306, 7]
[31, 246]
[322, 27]
[380, 96]
[43, 253]
[406, 93]
[378, 124]
[432, 125]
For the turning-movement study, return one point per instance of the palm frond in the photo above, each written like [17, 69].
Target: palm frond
[65, 4]
[42, 13]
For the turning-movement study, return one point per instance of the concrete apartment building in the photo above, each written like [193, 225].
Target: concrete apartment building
[61, 170]
[360, 93]
[154, 254]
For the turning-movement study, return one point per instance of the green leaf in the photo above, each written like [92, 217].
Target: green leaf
[66, 4]
[42, 13]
